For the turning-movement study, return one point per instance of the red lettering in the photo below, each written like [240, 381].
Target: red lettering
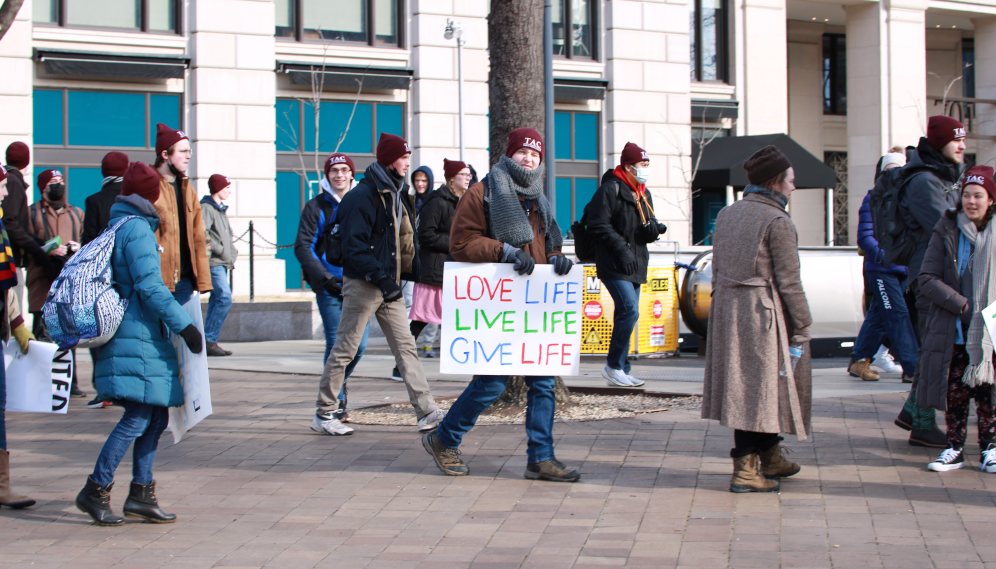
[504, 290]
[550, 353]
[491, 293]
[564, 354]
[456, 289]
[524, 355]
[469, 295]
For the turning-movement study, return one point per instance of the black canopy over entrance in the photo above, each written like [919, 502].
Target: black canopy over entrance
[723, 162]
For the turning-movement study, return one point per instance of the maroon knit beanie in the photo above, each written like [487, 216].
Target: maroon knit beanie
[632, 154]
[524, 138]
[114, 164]
[3, 173]
[166, 137]
[18, 155]
[451, 168]
[943, 129]
[765, 164]
[217, 182]
[141, 180]
[340, 158]
[46, 176]
[391, 147]
[980, 176]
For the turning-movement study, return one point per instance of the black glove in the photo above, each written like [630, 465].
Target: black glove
[333, 286]
[561, 264]
[627, 263]
[53, 267]
[192, 336]
[524, 263]
[389, 289]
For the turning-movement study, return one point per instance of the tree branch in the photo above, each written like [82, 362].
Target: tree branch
[8, 11]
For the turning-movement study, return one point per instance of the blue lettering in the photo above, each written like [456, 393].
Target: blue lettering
[503, 354]
[527, 294]
[466, 355]
[556, 291]
[570, 292]
[487, 358]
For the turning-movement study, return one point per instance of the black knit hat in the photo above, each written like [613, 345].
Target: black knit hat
[765, 164]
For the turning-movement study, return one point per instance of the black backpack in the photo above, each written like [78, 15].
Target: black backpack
[897, 240]
[584, 245]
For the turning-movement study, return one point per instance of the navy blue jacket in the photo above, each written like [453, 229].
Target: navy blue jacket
[866, 240]
[317, 217]
[932, 189]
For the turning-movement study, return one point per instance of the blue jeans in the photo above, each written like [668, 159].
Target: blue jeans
[330, 308]
[626, 297]
[887, 316]
[218, 305]
[483, 391]
[141, 424]
[183, 290]
[3, 403]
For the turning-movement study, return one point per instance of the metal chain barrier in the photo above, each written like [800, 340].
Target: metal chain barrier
[251, 233]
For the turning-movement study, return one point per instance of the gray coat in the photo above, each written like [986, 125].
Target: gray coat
[758, 305]
[940, 282]
[218, 234]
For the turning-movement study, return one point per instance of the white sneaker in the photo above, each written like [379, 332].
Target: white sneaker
[884, 361]
[431, 421]
[950, 459]
[329, 426]
[988, 462]
[633, 381]
[615, 377]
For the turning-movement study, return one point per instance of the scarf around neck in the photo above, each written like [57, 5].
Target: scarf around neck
[508, 222]
[978, 344]
[768, 193]
[8, 273]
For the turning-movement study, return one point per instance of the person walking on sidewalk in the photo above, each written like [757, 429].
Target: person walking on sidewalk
[218, 234]
[759, 310]
[887, 315]
[318, 218]
[958, 276]
[518, 226]
[379, 250]
[138, 366]
[26, 247]
[621, 221]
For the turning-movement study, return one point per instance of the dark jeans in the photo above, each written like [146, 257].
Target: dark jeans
[3, 404]
[330, 309]
[183, 290]
[749, 442]
[626, 298]
[141, 424]
[887, 317]
[541, 404]
[959, 397]
[218, 305]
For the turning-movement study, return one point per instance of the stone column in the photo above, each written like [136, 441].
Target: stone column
[16, 87]
[231, 121]
[805, 119]
[985, 87]
[764, 51]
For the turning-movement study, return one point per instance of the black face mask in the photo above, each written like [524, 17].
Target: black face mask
[56, 191]
[176, 172]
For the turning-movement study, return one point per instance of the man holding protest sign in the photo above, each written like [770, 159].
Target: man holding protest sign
[507, 219]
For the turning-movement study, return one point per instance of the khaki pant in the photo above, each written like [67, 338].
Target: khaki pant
[360, 301]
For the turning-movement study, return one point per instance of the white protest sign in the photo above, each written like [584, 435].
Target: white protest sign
[989, 317]
[38, 382]
[193, 378]
[497, 322]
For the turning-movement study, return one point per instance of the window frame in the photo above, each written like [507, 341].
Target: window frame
[62, 20]
[722, 45]
[373, 119]
[575, 169]
[830, 77]
[298, 26]
[567, 15]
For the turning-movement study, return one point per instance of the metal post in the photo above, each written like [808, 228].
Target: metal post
[829, 206]
[551, 161]
[729, 195]
[252, 272]
[460, 42]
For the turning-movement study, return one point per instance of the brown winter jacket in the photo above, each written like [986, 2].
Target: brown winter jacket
[758, 305]
[45, 223]
[940, 282]
[469, 241]
[168, 236]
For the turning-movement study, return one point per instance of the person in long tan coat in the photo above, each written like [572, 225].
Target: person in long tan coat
[758, 310]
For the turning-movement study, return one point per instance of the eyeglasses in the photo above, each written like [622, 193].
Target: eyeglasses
[187, 152]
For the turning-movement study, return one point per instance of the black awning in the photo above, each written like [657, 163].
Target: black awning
[112, 64]
[723, 162]
[349, 76]
[585, 89]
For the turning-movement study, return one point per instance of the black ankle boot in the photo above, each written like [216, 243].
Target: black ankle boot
[933, 437]
[96, 501]
[142, 504]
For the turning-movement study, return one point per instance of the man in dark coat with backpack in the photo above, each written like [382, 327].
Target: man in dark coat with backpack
[97, 207]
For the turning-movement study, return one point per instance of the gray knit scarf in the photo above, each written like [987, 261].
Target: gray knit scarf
[507, 181]
[768, 193]
[978, 343]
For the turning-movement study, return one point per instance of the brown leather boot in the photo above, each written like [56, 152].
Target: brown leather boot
[774, 465]
[8, 497]
[746, 478]
[862, 369]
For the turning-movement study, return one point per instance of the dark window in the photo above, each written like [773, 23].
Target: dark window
[838, 161]
[834, 75]
[707, 35]
[578, 18]
[160, 16]
[576, 148]
[968, 67]
[366, 22]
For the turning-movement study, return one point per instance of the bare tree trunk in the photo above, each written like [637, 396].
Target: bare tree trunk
[8, 11]
[515, 81]
[516, 391]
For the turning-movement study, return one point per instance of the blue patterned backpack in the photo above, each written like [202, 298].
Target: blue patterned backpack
[83, 309]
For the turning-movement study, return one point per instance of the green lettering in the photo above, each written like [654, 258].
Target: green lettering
[525, 315]
[568, 322]
[490, 323]
[505, 321]
[458, 327]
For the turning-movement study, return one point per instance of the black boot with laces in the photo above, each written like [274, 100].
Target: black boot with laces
[553, 470]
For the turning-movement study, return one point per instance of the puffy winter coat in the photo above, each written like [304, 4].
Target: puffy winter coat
[931, 190]
[98, 209]
[613, 222]
[139, 363]
[218, 233]
[868, 243]
[434, 234]
[317, 217]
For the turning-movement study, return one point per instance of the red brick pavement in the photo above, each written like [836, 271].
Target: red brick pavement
[254, 487]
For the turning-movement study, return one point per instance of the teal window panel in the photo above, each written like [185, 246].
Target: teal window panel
[47, 117]
[389, 120]
[359, 176]
[584, 189]
[164, 109]
[106, 119]
[288, 125]
[562, 135]
[288, 214]
[585, 137]
[563, 213]
[81, 183]
[332, 125]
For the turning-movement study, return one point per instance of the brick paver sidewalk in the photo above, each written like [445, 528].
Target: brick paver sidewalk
[254, 487]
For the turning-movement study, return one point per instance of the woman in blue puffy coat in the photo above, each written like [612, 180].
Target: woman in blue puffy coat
[138, 367]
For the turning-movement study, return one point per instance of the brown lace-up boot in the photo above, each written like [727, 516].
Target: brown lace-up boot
[775, 465]
[746, 478]
[9, 498]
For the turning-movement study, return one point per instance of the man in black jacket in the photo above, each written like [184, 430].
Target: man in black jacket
[931, 187]
[97, 207]
[379, 249]
[15, 214]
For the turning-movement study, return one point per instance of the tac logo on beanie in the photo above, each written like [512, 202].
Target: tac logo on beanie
[632, 154]
[942, 129]
[980, 176]
[390, 147]
[46, 176]
[524, 138]
[217, 182]
[167, 137]
[339, 158]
